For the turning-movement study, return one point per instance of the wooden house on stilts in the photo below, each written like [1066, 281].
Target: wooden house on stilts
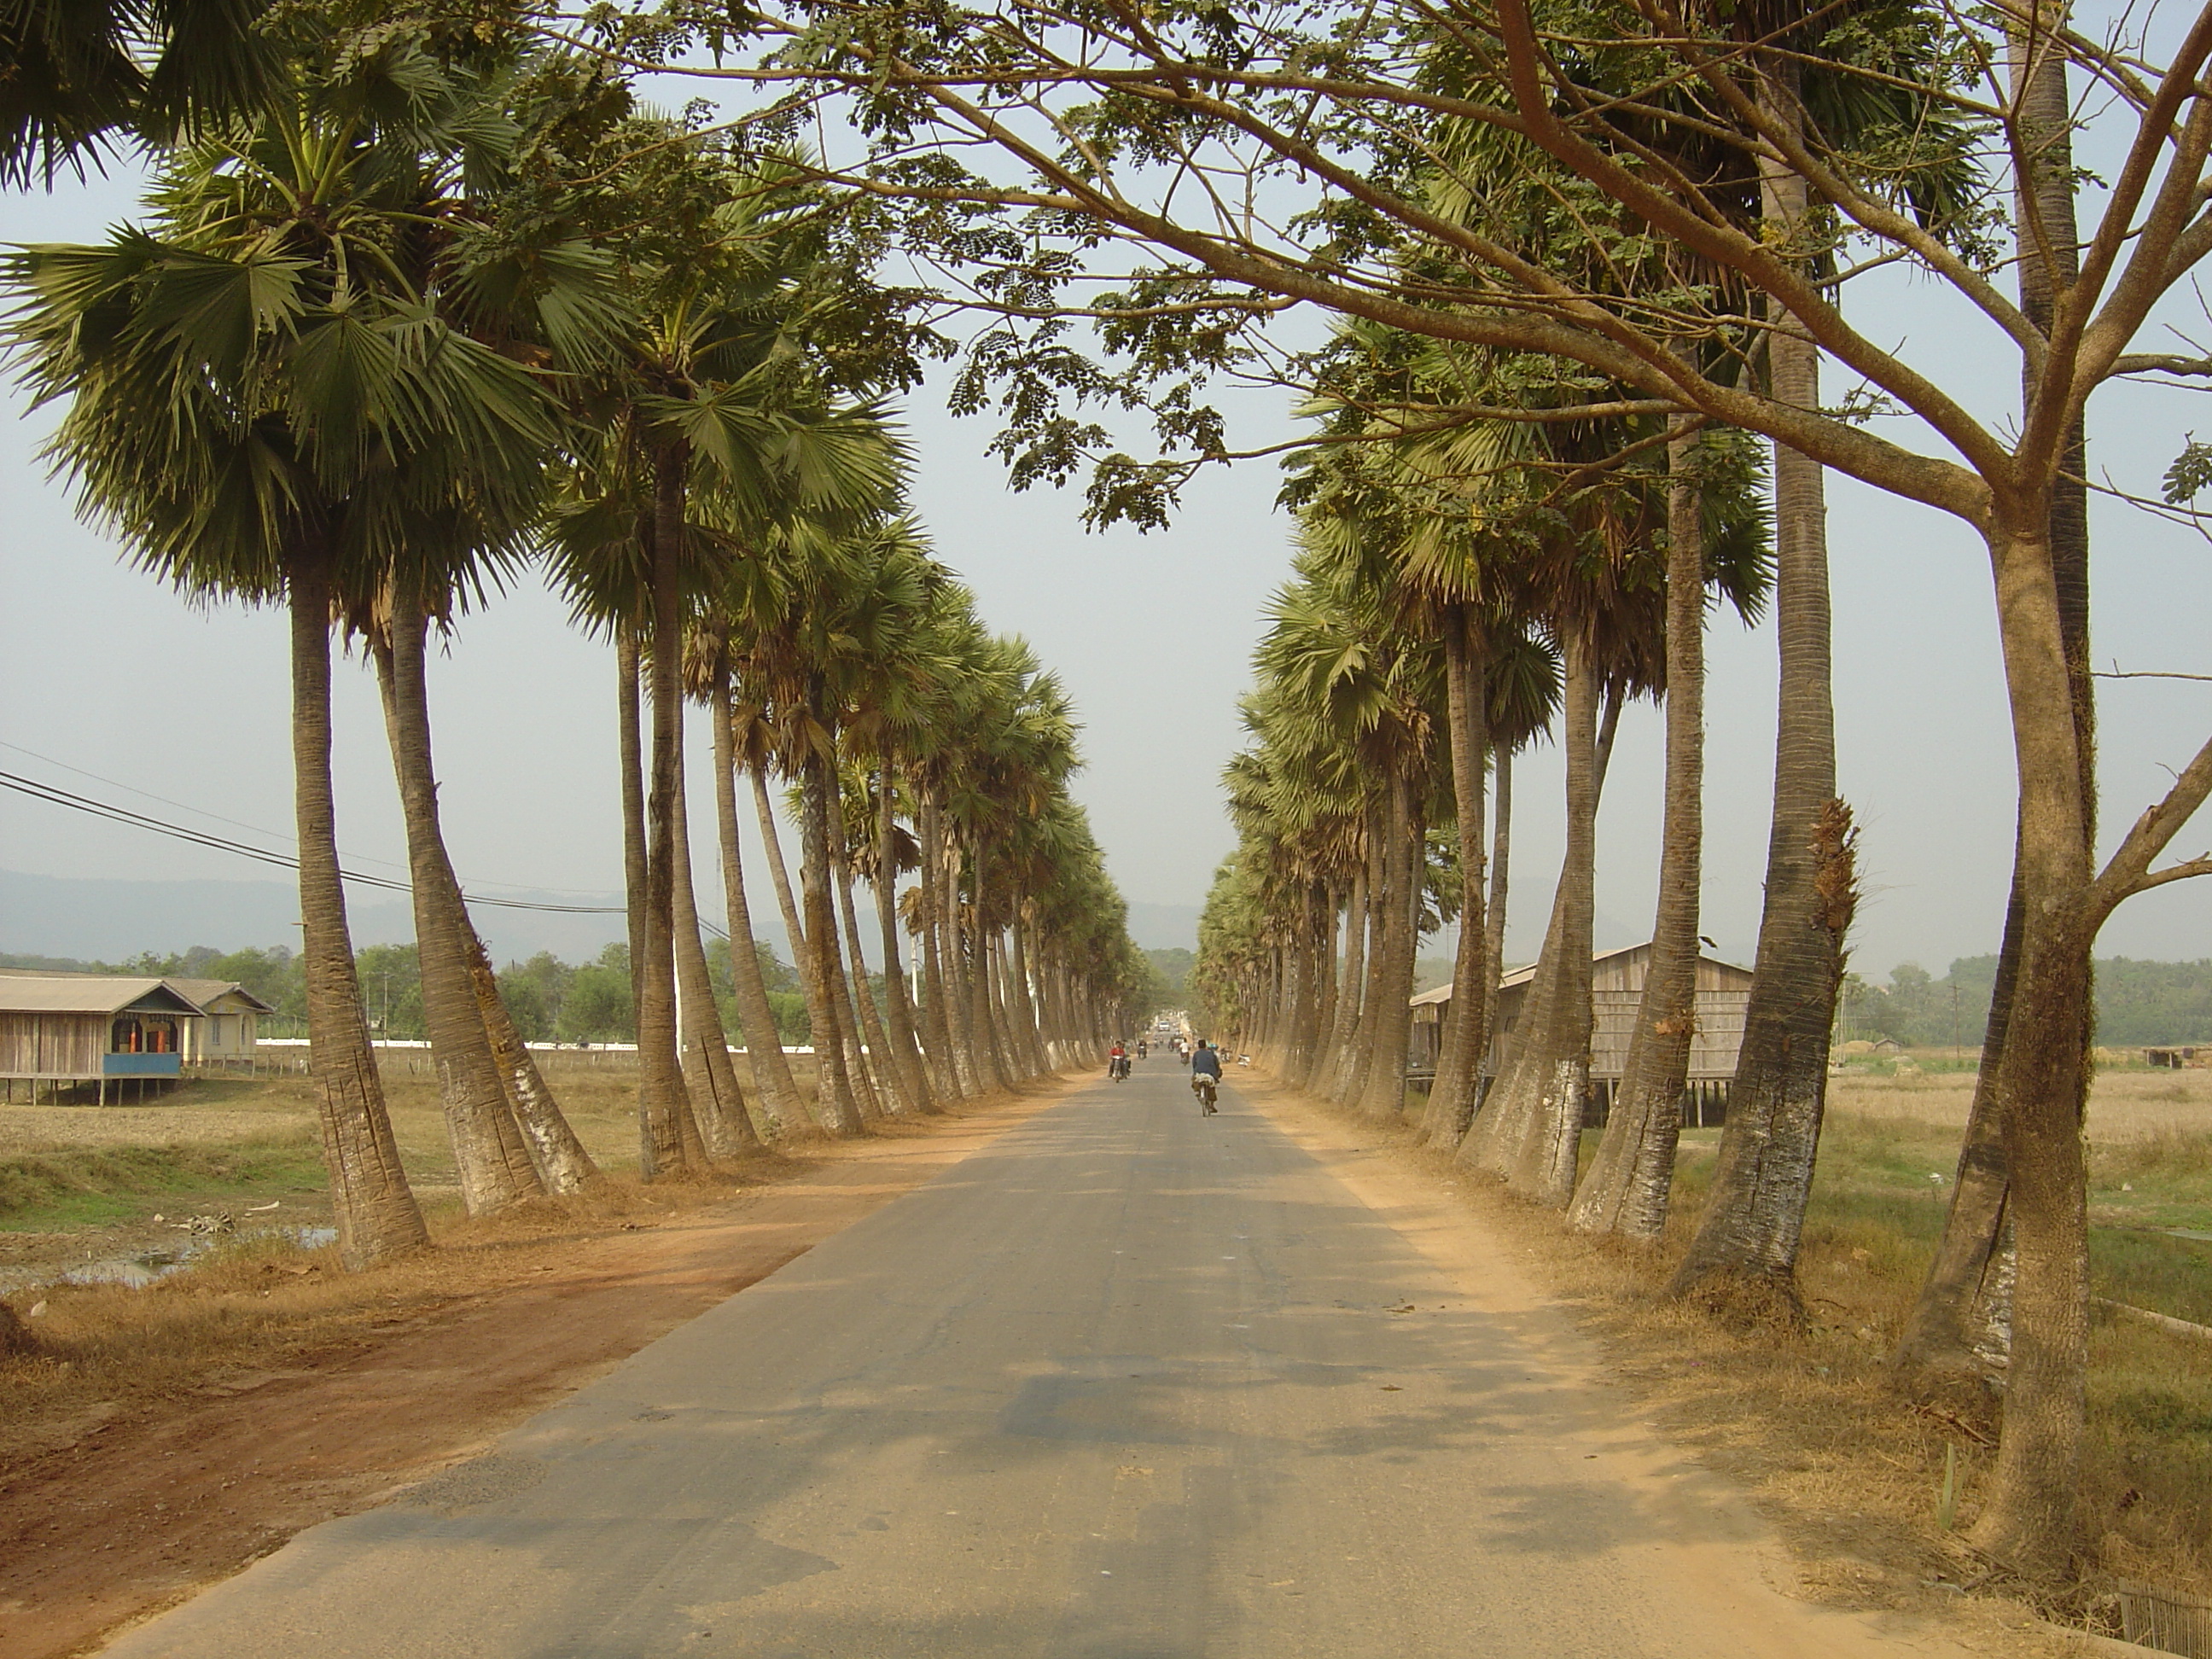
[78, 1029]
[1723, 992]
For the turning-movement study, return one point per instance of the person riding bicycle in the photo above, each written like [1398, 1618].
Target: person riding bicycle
[1205, 1075]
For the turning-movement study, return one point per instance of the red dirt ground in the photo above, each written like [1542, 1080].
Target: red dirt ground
[126, 1516]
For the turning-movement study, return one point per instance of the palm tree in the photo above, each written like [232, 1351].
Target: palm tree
[775, 1088]
[77, 72]
[261, 417]
[721, 393]
[1627, 1187]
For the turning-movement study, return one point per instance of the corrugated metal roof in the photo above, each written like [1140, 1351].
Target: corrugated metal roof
[1522, 975]
[205, 991]
[89, 993]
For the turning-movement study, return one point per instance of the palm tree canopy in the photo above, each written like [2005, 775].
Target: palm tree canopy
[75, 74]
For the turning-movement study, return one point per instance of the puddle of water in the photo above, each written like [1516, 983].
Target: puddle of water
[151, 1267]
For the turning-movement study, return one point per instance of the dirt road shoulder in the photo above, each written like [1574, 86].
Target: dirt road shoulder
[1823, 1565]
[137, 1506]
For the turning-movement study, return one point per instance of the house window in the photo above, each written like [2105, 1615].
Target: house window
[128, 1039]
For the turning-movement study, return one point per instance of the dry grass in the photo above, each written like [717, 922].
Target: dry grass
[84, 1184]
[264, 1302]
[2124, 1103]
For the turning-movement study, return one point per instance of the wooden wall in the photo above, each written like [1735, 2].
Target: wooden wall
[52, 1045]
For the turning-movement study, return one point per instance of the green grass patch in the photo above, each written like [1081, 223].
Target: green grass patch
[2167, 1275]
[2158, 1181]
[47, 1191]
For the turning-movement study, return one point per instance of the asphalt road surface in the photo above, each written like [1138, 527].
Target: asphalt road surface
[1128, 1383]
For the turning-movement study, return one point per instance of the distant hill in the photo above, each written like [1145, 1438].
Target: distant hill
[102, 920]
[112, 920]
[2137, 1003]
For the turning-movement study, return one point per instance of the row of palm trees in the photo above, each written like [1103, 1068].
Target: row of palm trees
[376, 351]
[1459, 593]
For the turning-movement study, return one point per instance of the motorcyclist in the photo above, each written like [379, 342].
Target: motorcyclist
[1117, 1061]
[1205, 1075]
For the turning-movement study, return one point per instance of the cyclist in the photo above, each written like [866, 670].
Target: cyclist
[1205, 1075]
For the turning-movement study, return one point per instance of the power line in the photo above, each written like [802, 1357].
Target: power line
[55, 796]
[148, 794]
[201, 812]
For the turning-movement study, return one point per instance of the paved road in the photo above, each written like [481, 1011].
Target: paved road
[1129, 1384]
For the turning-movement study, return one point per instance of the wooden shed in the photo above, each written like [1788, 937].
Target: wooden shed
[86, 1028]
[230, 1034]
[1723, 991]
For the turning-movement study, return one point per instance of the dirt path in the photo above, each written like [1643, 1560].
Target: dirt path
[134, 1514]
[1501, 1274]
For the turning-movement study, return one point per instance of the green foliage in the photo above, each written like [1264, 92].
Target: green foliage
[2138, 1003]
[392, 991]
[85, 1186]
[596, 1006]
[786, 1001]
[273, 975]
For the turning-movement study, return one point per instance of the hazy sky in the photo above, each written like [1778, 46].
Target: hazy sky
[102, 670]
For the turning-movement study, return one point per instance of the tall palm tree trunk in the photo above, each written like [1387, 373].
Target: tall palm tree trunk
[833, 1093]
[563, 1164]
[777, 1092]
[1329, 906]
[794, 928]
[489, 1153]
[1630, 1179]
[1501, 861]
[889, 1082]
[906, 1046]
[371, 1203]
[710, 1076]
[959, 990]
[839, 1100]
[652, 959]
[1345, 1034]
[1021, 1012]
[937, 1027]
[1493, 1140]
[560, 1162]
[1013, 998]
[819, 865]
[1466, 1034]
[989, 1068]
[1392, 984]
[1559, 1053]
[1360, 1054]
[1745, 1250]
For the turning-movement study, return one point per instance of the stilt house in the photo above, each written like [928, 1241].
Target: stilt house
[1723, 991]
[85, 1027]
